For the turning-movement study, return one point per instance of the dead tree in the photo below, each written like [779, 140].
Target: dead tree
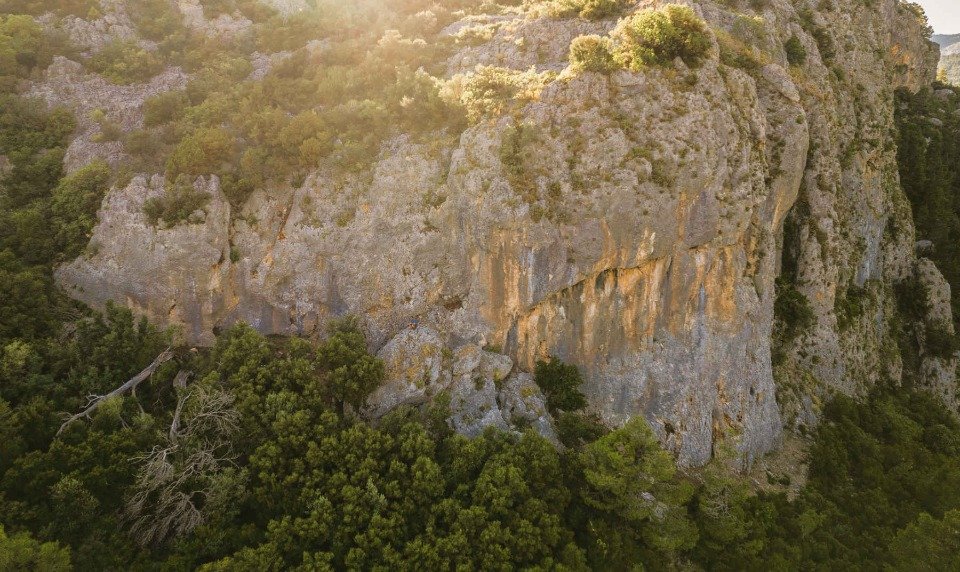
[130, 386]
[178, 483]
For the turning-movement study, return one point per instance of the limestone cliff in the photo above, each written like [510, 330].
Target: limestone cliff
[631, 224]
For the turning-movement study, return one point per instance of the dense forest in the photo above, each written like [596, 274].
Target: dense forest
[250, 455]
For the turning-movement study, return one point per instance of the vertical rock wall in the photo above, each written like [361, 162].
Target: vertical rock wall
[631, 224]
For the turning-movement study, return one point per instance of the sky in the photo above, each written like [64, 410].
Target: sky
[944, 15]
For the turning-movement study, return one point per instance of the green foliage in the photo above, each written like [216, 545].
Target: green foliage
[492, 90]
[207, 151]
[560, 384]
[723, 516]
[76, 200]
[657, 37]
[917, 11]
[928, 155]
[589, 9]
[21, 49]
[940, 342]
[298, 479]
[33, 140]
[81, 8]
[736, 53]
[792, 310]
[22, 552]
[850, 305]
[575, 429]
[629, 480]
[354, 373]
[164, 108]
[880, 464]
[155, 20]
[177, 205]
[518, 150]
[928, 543]
[592, 53]
[821, 35]
[125, 62]
[796, 53]
[28, 293]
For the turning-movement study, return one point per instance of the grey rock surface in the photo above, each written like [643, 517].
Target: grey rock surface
[647, 255]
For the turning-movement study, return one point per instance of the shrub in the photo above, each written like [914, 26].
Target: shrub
[939, 342]
[850, 306]
[825, 44]
[125, 63]
[205, 152]
[492, 90]
[518, 149]
[589, 9]
[164, 107]
[80, 8]
[657, 37]
[560, 383]
[592, 53]
[21, 552]
[22, 47]
[792, 309]
[155, 19]
[179, 202]
[735, 53]
[577, 429]
[75, 203]
[353, 373]
[796, 53]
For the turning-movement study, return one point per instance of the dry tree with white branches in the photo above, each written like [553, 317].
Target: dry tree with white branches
[178, 485]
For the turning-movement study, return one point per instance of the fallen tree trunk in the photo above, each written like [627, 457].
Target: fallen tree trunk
[130, 385]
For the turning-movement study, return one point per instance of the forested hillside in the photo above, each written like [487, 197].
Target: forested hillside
[124, 447]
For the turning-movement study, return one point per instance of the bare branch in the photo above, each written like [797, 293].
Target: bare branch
[177, 483]
[183, 376]
[175, 424]
[130, 385]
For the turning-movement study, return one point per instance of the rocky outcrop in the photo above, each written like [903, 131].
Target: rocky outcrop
[631, 224]
[222, 25]
[201, 250]
[483, 388]
[66, 82]
[112, 24]
[851, 238]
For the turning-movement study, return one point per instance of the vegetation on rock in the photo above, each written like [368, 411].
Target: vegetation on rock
[929, 159]
[253, 454]
[592, 53]
[657, 37]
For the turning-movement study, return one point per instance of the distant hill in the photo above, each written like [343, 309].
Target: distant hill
[946, 40]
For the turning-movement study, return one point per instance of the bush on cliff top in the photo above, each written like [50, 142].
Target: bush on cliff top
[592, 53]
[657, 37]
[589, 9]
[648, 37]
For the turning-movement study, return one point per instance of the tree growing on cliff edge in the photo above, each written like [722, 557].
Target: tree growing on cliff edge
[560, 383]
[353, 373]
[636, 505]
[657, 37]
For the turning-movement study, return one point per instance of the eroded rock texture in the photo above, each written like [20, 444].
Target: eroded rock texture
[650, 263]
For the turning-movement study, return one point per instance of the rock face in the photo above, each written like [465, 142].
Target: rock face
[67, 83]
[650, 264]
